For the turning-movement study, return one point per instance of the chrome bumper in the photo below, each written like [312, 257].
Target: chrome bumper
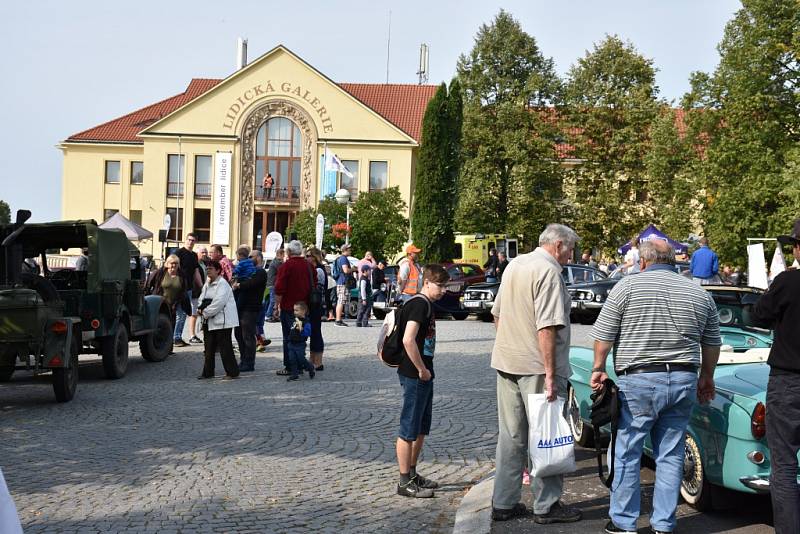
[756, 483]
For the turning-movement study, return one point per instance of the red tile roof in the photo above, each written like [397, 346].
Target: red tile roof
[125, 129]
[402, 105]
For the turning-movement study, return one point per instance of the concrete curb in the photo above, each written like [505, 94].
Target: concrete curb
[474, 514]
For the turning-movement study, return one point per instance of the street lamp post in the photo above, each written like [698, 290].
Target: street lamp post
[343, 197]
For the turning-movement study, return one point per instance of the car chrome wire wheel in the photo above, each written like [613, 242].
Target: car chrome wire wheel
[580, 431]
[695, 489]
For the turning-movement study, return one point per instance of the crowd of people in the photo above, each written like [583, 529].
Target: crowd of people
[234, 299]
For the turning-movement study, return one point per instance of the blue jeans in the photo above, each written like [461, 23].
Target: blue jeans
[415, 417]
[180, 320]
[271, 304]
[297, 359]
[659, 405]
[287, 320]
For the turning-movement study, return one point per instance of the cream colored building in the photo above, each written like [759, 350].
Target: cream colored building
[202, 156]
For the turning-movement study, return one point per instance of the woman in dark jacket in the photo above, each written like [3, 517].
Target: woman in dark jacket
[317, 344]
[170, 285]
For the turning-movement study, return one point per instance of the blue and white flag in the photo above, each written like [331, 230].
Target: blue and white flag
[333, 163]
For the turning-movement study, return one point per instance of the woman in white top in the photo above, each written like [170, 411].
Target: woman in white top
[218, 309]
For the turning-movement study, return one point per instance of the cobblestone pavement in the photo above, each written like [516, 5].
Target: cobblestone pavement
[159, 451]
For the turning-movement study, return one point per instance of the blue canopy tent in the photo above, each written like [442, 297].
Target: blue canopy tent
[651, 232]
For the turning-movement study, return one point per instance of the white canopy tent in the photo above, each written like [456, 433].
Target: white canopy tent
[131, 229]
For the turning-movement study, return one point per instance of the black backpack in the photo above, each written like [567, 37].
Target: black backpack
[390, 338]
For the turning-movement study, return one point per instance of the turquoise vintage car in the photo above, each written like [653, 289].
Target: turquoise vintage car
[725, 443]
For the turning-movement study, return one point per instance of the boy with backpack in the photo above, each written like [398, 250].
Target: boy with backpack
[364, 296]
[418, 332]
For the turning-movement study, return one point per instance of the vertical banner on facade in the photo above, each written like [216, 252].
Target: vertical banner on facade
[221, 223]
[320, 229]
[756, 266]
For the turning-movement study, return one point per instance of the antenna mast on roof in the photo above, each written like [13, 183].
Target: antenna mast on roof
[423, 64]
[388, 42]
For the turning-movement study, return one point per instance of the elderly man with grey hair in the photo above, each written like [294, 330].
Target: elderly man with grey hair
[663, 328]
[530, 355]
[292, 285]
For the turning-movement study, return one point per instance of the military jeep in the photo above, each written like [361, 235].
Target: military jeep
[48, 317]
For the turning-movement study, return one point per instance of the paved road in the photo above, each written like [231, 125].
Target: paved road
[159, 451]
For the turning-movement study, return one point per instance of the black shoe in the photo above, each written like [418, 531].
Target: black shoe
[311, 373]
[282, 372]
[358, 324]
[230, 377]
[340, 323]
[502, 514]
[319, 368]
[559, 513]
[611, 528]
[293, 378]
[411, 489]
[204, 377]
[265, 342]
[180, 343]
[196, 340]
[426, 483]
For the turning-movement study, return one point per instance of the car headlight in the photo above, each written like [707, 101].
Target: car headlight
[598, 298]
[383, 287]
[587, 295]
[489, 297]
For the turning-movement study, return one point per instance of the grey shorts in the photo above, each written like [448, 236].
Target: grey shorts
[342, 294]
[195, 304]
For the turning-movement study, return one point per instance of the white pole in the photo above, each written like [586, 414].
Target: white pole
[388, 42]
[347, 234]
[180, 192]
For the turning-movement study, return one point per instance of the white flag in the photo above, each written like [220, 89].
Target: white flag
[333, 163]
[778, 264]
[756, 266]
[320, 228]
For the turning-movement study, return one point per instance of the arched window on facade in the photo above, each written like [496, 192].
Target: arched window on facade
[278, 164]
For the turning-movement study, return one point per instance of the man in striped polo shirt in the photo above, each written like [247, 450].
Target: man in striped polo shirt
[662, 327]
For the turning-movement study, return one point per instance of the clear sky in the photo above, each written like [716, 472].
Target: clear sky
[68, 66]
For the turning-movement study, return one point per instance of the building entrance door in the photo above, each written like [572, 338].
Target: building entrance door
[268, 220]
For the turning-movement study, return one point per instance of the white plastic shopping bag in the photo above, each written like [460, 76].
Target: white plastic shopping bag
[9, 521]
[551, 444]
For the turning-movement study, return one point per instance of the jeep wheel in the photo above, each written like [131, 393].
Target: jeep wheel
[157, 345]
[460, 316]
[6, 372]
[352, 309]
[65, 379]
[487, 317]
[115, 353]
[379, 314]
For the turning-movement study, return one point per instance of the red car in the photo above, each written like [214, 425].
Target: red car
[462, 275]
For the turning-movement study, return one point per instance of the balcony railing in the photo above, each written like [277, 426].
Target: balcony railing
[202, 190]
[175, 189]
[285, 194]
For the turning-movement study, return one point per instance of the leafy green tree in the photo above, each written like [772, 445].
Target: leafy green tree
[751, 126]
[671, 164]
[437, 172]
[509, 179]
[305, 223]
[609, 103]
[378, 224]
[5, 212]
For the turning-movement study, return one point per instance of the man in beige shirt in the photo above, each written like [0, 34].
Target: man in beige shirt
[531, 355]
